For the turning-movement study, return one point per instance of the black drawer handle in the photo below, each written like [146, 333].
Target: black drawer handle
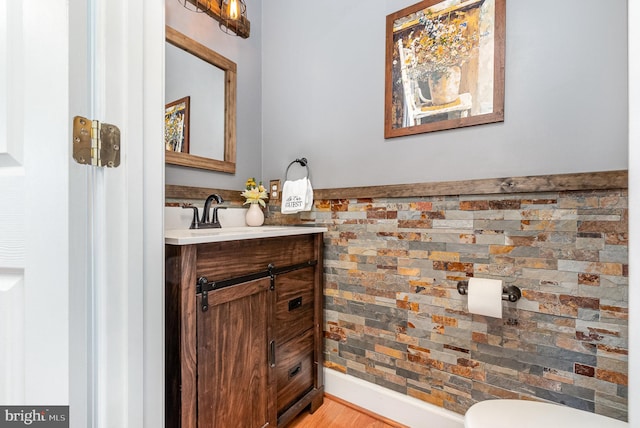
[272, 353]
[295, 303]
[294, 371]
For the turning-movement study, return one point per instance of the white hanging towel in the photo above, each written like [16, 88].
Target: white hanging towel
[297, 196]
[308, 203]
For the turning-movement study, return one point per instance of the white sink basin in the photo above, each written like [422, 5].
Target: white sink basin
[201, 236]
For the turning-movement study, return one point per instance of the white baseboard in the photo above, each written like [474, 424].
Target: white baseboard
[389, 404]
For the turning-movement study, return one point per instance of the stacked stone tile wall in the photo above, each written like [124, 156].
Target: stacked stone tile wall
[393, 315]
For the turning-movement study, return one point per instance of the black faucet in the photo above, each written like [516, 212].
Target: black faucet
[214, 223]
[195, 223]
[205, 223]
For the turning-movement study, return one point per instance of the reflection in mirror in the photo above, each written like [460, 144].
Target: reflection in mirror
[188, 75]
[209, 79]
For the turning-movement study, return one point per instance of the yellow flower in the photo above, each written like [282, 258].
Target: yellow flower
[254, 193]
[251, 182]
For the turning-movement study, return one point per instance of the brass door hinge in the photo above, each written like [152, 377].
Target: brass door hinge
[95, 143]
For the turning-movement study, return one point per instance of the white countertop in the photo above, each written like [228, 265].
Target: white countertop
[203, 236]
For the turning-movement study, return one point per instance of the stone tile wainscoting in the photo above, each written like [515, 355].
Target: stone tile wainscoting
[393, 315]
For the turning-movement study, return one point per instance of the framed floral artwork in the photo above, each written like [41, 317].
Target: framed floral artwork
[444, 66]
[176, 126]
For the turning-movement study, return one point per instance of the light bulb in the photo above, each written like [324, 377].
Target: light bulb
[233, 9]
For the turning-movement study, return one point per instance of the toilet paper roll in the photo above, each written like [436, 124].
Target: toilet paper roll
[485, 297]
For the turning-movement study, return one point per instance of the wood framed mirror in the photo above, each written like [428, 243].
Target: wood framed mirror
[209, 80]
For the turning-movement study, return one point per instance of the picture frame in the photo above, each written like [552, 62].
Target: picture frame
[444, 66]
[176, 125]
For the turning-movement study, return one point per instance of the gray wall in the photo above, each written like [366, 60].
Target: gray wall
[311, 83]
[323, 96]
[247, 54]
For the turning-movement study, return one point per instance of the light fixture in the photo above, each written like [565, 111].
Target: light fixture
[233, 12]
[232, 9]
[230, 14]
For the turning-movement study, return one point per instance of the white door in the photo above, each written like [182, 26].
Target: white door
[81, 247]
[634, 209]
[34, 244]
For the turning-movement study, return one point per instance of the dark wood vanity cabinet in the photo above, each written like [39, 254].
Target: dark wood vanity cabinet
[232, 336]
[245, 349]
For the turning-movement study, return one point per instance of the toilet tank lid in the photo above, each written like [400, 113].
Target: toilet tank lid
[533, 414]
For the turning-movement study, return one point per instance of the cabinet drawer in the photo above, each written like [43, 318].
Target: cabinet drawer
[223, 260]
[294, 369]
[294, 303]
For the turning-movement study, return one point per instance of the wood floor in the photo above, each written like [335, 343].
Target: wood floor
[336, 413]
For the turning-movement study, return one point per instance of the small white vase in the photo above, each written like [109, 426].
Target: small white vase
[255, 216]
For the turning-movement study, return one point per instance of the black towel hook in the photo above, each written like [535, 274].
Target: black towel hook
[302, 162]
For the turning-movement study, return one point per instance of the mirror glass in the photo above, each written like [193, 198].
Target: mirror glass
[208, 80]
[188, 75]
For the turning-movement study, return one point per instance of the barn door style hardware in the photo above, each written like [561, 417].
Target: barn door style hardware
[204, 286]
[95, 143]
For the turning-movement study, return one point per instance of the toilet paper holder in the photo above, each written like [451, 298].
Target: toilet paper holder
[510, 293]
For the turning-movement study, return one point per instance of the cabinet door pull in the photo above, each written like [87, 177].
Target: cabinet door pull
[295, 303]
[272, 353]
[294, 371]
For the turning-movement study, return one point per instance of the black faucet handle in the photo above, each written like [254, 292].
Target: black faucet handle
[215, 214]
[195, 224]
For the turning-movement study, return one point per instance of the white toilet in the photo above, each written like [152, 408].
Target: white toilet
[533, 414]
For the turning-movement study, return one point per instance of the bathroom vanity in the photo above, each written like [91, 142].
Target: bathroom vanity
[243, 345]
